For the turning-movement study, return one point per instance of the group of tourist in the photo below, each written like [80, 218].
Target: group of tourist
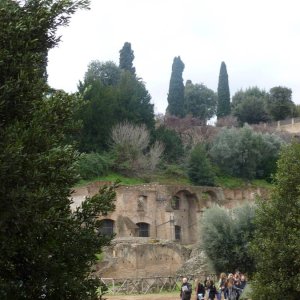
[227, 287]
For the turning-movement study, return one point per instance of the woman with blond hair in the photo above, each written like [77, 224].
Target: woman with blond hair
[221, 286]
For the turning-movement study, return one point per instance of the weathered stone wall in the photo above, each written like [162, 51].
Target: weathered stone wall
[141, 257]
[163, 208]
[154, 205]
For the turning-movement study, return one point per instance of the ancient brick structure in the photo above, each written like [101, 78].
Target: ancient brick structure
[168, 212]
[154, 222]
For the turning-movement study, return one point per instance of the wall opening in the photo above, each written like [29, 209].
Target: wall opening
[143, 229]
[107, 227]
[177, 233]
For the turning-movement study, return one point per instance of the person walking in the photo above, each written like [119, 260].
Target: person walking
[185, 290]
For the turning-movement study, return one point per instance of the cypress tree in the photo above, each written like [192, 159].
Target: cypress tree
[126, 58]
[176, 89]
[223, 108]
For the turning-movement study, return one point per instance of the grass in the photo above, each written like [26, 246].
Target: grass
[177, 179]
[234, 182]
[112, 177]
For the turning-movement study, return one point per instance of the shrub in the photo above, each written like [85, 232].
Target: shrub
[245, 153]
[200, 170]
[226, 235]
[91, 165]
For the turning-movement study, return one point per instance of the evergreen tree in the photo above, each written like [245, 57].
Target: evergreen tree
[111, 97]
[200, 170]
[176, 89]
[223, 108]
[46, 249]
[276, 244]
[126, 58]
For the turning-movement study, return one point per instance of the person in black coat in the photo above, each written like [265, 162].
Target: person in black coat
[186, 290]
[200, 290]
[212, 290]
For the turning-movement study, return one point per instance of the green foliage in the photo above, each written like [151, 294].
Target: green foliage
[108, 73]
[276, 246]
[172, 142]
[109, 100]
[245, 153]
[223, 108]
[226, 235]
[91, 165]
[280, 104]
[112, 177]
[199, 101]
[176, 89]
[250, 106]
[46, 249]
[126, 58]
[200, 170]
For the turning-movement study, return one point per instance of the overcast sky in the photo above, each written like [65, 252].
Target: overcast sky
[259, 40]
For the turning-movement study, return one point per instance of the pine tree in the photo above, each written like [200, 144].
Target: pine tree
[223, 108]
[126, 58]
[176, 89]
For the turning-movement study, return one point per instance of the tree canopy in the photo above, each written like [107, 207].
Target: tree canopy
[276, 244]
[250, 106]
[223, 108]
[199, 101]
[126, 58]
[47, 249]
[111, 96]
[176, 89]
[280, 104]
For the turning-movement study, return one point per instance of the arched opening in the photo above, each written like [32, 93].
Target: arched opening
[107, 227]
[143, 229]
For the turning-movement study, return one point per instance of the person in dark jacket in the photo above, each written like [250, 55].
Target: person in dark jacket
[186, 290]
[212, 290]
[200, 291]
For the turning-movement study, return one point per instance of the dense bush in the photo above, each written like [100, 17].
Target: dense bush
[172, 142]
[226, 235]
[200, 170]
[246, 153]
[91, 165]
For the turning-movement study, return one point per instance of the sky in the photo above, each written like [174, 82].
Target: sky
[259, 40]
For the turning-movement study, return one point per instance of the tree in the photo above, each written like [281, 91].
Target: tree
[130, 147]
[176, 89]
[276, 244]
[111, 96]
[172, 142]
[223, 108]
[245, 153]
[250, 106]
[226, 236]
[126, 58]
[200, 170]
[108, 73]
[199, 101]
[47, 250]
[280, 104]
